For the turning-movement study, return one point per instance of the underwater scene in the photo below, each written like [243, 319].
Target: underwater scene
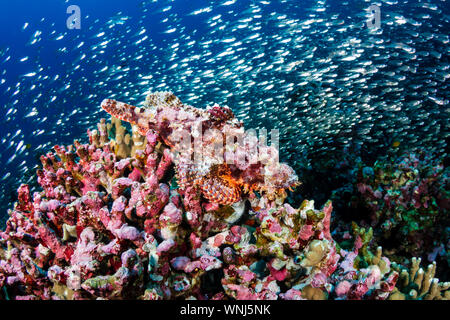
[224, 150]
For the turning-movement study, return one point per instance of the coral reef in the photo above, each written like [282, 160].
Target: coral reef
[129, 216]
[408, 200]
[416, 283]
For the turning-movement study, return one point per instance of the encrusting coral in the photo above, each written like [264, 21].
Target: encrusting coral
[130, 217]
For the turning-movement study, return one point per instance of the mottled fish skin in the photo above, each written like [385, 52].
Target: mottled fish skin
[121, 110]
[215, 188]
[159, 111]
[219, 183]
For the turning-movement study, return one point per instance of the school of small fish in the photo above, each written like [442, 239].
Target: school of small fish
[314, 70]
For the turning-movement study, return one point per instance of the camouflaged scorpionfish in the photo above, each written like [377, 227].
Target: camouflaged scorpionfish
[223, 182]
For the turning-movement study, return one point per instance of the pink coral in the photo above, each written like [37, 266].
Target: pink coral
[115, 227]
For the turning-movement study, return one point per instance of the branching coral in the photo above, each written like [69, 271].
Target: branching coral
[415, 283]
[308, 259]
[82, 235]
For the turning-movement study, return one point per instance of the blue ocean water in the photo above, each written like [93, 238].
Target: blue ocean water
[312, 69]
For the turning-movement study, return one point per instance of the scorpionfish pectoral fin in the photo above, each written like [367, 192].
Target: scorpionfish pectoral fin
[220, 191]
